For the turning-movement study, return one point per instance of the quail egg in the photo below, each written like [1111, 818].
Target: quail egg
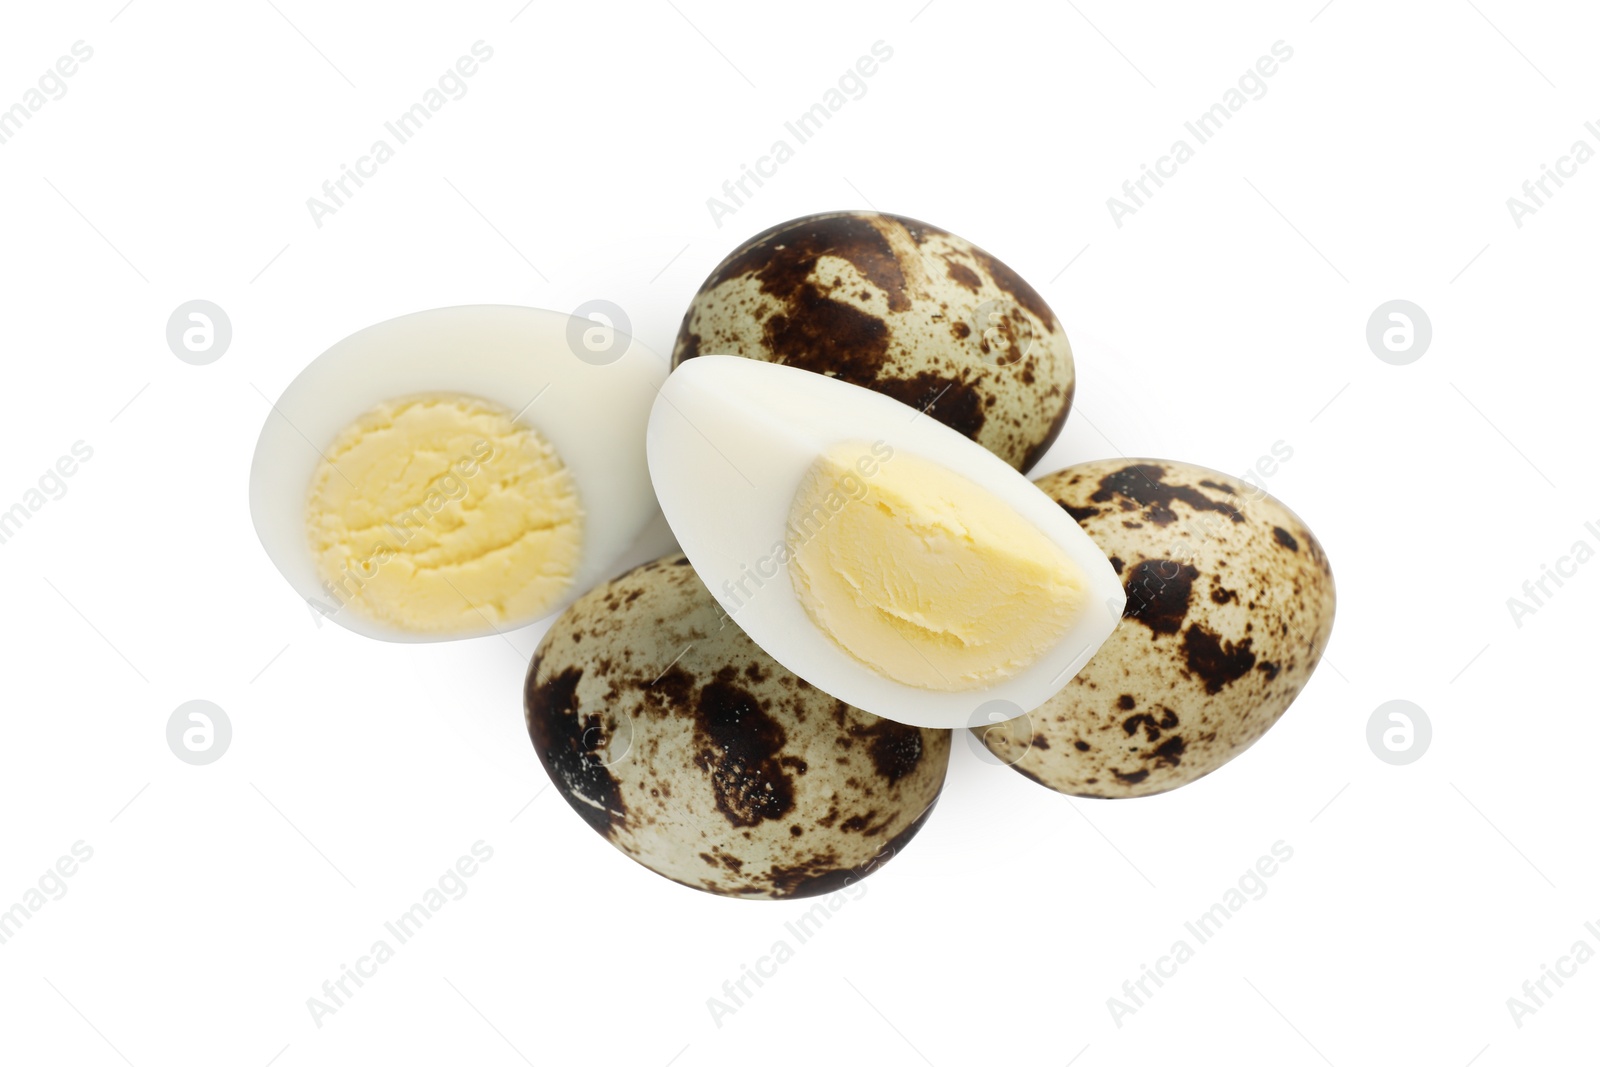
[683, 744]
[880, 555]
[458, 471]
[900, 307]
[1230, 602]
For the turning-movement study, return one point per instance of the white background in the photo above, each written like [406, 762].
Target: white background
[1226, 315]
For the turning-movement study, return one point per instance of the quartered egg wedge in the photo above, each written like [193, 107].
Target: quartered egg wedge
[567, 397]
[996, 594]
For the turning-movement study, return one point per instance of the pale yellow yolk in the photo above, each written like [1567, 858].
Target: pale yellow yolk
[923, 575]
[438, 514]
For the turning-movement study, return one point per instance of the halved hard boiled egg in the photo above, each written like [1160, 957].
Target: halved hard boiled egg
[883, 557]
[457, 472]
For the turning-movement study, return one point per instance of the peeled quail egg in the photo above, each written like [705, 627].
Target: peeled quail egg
[458, 471]
[688, 748]
[875, 552]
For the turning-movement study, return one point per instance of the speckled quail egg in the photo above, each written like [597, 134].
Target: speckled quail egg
[693, 752]
[1230, 601]
[901, 307]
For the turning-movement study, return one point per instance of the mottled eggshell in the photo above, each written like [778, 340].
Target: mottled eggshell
[683, 744]
[901, 307]
[1230, 604]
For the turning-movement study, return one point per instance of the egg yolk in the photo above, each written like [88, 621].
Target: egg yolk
[440, 514]
[922, 574]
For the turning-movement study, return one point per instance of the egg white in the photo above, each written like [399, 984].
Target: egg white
[520, 358]
[729, 441]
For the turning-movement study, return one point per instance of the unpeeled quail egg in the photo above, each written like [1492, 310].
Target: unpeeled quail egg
[1230, 602]
[693, 752]
[900, 307]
